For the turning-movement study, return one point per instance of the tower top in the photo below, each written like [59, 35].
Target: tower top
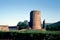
[34, 11]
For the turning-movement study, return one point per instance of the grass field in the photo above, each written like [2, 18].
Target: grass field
[30, 34]
[33, 31]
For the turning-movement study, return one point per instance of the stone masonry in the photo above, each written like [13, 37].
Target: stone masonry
[4, 28]
[35, 19]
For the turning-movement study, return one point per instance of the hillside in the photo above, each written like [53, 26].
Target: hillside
[54, 26]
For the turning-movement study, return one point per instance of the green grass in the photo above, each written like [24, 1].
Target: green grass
[40, 31]
[31, 34]
[34, 31]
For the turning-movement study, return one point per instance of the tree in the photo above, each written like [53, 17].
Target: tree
[44, 23]
[19, 25]
[26, 23]
[22, 25]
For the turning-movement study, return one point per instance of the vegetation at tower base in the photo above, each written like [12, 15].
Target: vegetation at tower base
[30, 34]
[22, 25]
[53, 26]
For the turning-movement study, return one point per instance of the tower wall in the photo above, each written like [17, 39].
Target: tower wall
[35, 19]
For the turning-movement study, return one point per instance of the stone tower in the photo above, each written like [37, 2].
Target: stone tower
[35, 20]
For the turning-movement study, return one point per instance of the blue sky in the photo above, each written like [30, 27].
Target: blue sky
[13, 11]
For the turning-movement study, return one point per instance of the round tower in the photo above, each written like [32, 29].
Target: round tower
[35, 19]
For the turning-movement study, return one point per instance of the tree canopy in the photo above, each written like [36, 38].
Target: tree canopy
[22, 25]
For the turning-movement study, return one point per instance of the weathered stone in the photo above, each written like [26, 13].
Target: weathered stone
[35, 19]
[4, 28]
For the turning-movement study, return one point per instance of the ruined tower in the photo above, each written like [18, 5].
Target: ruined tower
[35, 19]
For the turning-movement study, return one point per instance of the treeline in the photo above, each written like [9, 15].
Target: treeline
[54, 26]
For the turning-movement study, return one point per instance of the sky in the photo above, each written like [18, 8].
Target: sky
[13, 11]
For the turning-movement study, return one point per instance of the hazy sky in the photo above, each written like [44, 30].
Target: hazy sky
[13, 11]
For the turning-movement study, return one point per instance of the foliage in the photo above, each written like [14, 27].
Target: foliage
[54, 26]
[22, 25]
[31, 34]
[44, 23]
